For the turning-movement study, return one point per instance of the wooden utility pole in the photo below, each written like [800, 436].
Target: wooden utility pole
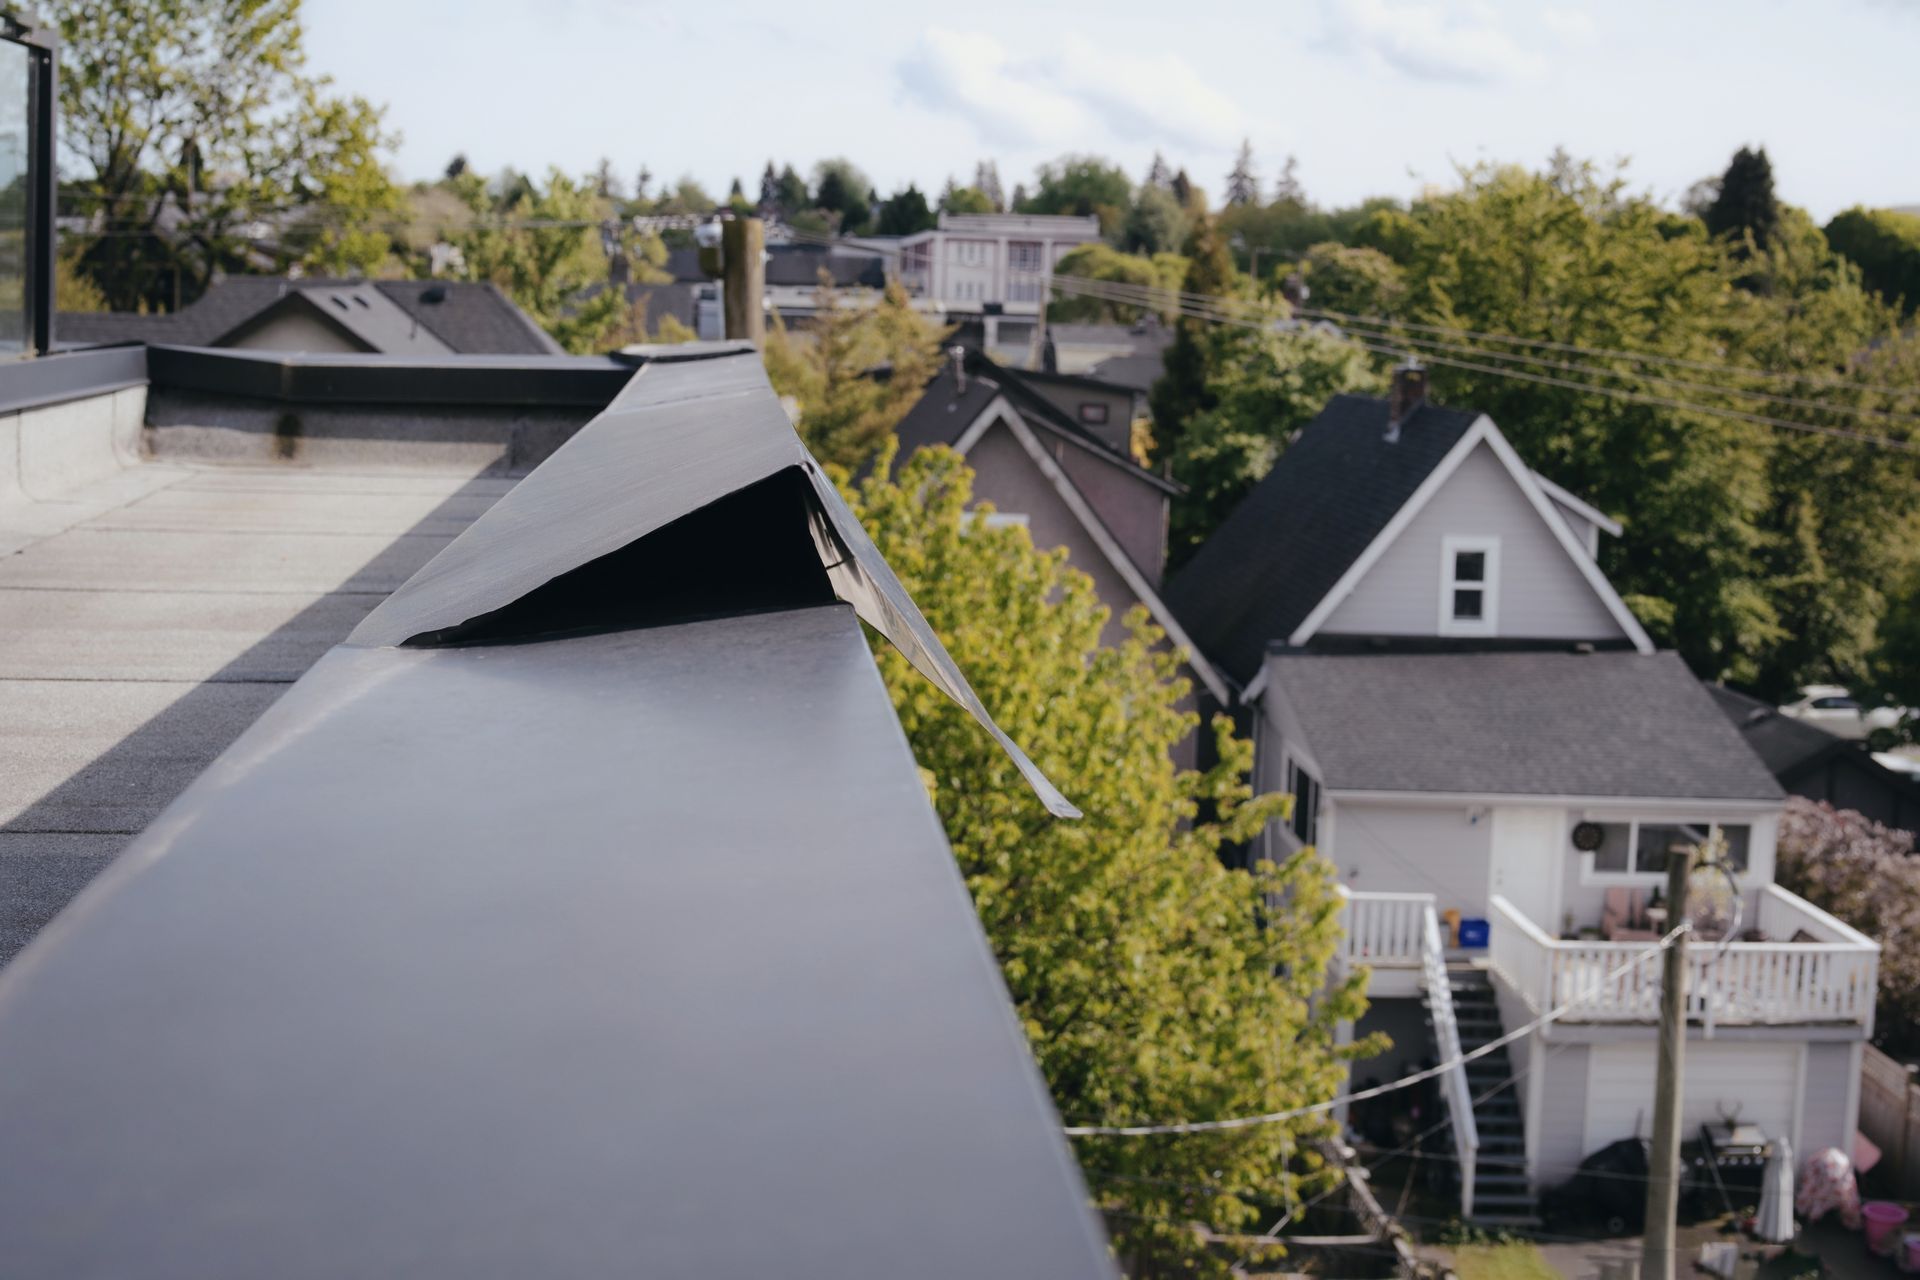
[1663, 1160]
[743, 264]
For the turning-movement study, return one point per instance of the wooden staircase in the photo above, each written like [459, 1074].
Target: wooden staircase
[1500, 1177]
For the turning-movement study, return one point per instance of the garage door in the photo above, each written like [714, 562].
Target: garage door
[1762, 1080]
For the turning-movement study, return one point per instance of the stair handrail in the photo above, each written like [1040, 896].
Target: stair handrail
[1446, 1032]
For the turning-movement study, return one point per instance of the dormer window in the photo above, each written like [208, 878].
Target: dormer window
[1469, 586]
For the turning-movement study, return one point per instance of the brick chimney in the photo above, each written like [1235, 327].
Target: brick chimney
[1408, 394]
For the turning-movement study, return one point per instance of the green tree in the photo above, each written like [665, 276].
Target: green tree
[903, 213]
[986, 180]
[965, 200]
[1182, 391]
[840, 188]
[1243, 184]
[192, 121]
[1157, 223]
[1083, 185]
[1885, 245]
[1352, 281]
[1261, 385]
[1101, 261]
[544, 251]
[1153, 981]
[854, 372]
[1746, 205]
[1762, 555]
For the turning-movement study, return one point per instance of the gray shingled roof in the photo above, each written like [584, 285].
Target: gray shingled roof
[946, 410]
[471, 318]
[1283, 548]
[1560, 724]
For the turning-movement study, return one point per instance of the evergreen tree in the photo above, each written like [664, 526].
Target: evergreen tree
[1183, 391]
[1185, 192]
[456, 166]
[1243, 186]
[793, 196]
[904, 213]
[986, 180]
[1287, 189]
[769, 190]
[840, 188]
[1746, 203]
[1158, 174]
[606, 183]
[1021, 201]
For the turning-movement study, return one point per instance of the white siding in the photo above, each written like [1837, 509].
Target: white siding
[292, 331]
[1830, 1106]
[1761, 1078]
[1392, 849]
[1542, 594]
[1557, 1132]
[1523, 860]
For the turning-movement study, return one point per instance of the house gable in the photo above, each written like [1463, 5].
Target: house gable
[1014, 470]
[1537, 591]
[1481, 504]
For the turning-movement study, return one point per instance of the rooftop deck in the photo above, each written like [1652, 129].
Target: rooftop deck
[154, 608]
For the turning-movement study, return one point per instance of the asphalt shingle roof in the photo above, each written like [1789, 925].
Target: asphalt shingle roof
[1560, 724]
[946, 410]
[1283, 548]
[471, 318]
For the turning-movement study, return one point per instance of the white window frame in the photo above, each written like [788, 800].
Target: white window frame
[1591, 875]
[1488, 623]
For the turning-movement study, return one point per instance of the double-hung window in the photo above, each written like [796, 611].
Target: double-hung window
[1469, 586]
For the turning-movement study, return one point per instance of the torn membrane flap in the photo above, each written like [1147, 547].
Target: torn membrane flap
[689, 496]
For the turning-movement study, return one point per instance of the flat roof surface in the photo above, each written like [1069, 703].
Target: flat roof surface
[152, 616]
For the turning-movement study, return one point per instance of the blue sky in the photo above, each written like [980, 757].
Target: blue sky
[1372, 96]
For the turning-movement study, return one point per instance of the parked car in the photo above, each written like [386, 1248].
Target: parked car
[1831, 707]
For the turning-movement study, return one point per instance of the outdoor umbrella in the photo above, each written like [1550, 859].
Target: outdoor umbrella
[1774, 1224]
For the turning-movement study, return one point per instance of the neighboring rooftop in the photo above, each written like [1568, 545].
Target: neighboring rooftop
[392, 317]
[1523, 724]
[1292, 538]
[951, 404]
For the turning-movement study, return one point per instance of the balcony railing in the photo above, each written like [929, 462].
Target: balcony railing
[1384, 930]
[1812, 969]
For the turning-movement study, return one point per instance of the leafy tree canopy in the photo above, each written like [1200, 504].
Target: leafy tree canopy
[192, 123]
[546, 269]
[1152, 981]
[1885, 245]
[1100, 261]
[1082, 184]
[854, 372]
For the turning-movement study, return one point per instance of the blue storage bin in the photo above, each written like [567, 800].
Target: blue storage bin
[1473, 933]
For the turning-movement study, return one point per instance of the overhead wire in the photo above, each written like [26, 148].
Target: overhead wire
[1378, 345]
[1172, 1127]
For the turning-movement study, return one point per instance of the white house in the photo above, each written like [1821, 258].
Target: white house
[1475, 728]
[981, 263]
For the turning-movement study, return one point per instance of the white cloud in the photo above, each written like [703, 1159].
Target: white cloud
[1078, 95]
[1461, 41]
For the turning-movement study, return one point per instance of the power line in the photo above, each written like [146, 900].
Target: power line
[1618, 393]
[1160, 294]
[1429, 1073]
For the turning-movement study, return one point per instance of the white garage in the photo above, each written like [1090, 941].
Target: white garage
[1763, 1080]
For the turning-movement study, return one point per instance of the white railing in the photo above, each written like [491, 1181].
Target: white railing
[1777, 982]
[1383, 929]
[1446, 1035]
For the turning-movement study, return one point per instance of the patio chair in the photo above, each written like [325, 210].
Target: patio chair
[1621, 918]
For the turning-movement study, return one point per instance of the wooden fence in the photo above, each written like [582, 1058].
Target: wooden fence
[1890, 1117]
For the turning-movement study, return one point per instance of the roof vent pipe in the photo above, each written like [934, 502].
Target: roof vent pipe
[957, 364]
[1408, 394]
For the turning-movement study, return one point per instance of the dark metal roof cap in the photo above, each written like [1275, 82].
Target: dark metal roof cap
[679, 438]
